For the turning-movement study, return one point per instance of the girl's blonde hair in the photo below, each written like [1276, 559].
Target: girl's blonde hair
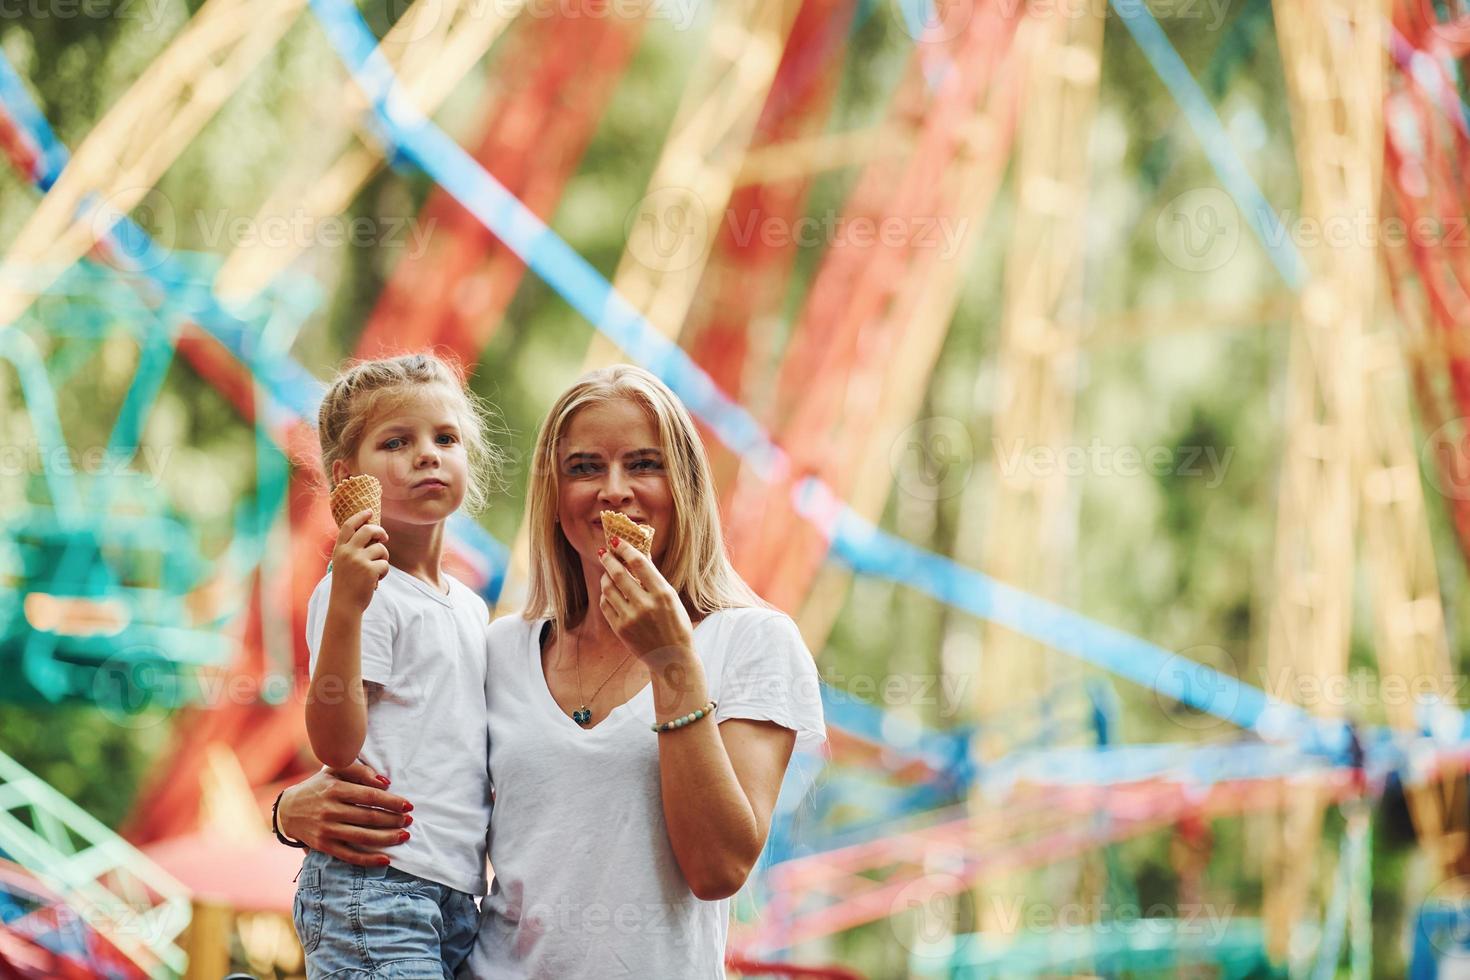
[694, 559]
[364, 388]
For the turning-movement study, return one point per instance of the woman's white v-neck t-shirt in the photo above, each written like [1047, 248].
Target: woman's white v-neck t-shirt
[586, 886]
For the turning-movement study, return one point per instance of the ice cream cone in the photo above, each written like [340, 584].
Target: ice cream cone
[616, 523]
[355, 494]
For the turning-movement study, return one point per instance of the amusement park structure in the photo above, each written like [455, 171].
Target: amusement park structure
[106, 600]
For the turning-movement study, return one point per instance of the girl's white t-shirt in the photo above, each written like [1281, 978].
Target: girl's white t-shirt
[586, 886]
[425, 729]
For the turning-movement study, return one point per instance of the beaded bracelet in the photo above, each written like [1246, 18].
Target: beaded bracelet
[688, 719]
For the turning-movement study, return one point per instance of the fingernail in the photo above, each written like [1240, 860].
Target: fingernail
[601, 552]
[407, 807]
[384, 780]
[407, 821]
[402, 836]
[382, 862]
[614, 541]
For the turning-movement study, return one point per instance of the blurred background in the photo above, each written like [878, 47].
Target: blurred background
[1088, 379]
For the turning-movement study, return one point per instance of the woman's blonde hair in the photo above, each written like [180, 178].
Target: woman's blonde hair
[364, 388]
[694, 559]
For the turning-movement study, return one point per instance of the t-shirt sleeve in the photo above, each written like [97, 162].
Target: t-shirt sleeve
[378, 631]
[769, 675]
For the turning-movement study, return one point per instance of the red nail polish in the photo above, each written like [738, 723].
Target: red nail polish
[402, 836]
[407, 807]
[601, 552]
[383, 780]
[408, 821]
[614, 541]
[383, 862]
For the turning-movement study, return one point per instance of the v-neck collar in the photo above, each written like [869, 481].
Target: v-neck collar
[548, 700]
[443, 598]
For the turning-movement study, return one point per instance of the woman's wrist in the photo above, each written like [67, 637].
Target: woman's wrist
[678, 686]
[278, 821]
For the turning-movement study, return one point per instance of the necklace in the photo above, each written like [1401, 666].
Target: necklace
[583, 714]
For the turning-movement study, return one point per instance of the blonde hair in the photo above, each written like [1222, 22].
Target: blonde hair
[694, 559]
[364, 388]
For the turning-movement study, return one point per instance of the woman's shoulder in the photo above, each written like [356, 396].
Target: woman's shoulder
[748, 615]
[737, 625]
[512, 628]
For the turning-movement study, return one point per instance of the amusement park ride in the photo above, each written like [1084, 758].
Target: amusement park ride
[106, 598]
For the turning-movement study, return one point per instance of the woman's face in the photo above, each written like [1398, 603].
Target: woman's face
[416, 450]
[610, 458]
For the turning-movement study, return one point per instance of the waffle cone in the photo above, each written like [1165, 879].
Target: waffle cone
[617, 523]
[357, 493]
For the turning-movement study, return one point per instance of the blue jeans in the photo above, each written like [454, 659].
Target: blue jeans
[379, 923]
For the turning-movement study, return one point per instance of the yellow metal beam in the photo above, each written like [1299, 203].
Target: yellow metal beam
[676, 221]
[140, 137]
[1333, 51]
[431, 48]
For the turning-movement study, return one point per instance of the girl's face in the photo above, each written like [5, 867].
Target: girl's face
[416, 450]
[610, 458]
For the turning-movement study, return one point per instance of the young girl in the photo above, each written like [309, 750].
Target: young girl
[398, 673]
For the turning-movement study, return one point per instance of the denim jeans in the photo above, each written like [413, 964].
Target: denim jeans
[379, 923]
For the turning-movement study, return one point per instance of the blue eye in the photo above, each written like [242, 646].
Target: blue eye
[446, 435]
[653, 464]
[390, 442]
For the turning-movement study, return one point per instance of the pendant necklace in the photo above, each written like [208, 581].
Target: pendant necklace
[583, 715]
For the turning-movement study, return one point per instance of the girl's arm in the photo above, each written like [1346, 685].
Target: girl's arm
[336, 703]
[718, 783]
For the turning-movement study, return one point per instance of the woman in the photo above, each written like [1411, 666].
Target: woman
[615, 848]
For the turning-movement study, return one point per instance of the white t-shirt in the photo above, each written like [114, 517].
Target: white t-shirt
[586, 885]
[425, 729]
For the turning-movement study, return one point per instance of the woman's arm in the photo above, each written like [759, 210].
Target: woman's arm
[346, 813]
[718, 783]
